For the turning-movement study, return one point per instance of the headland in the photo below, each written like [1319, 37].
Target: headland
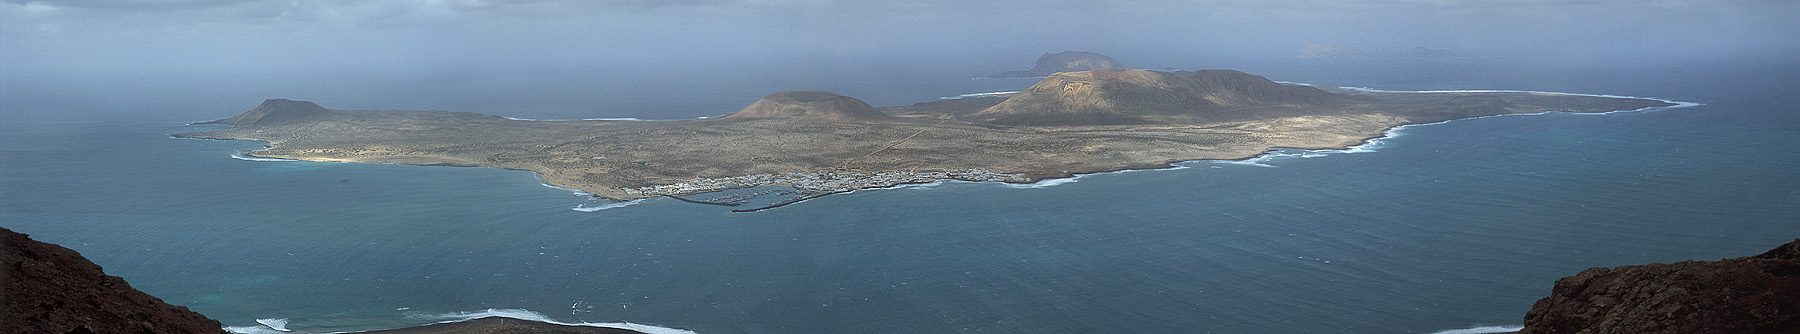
[1751, 294]
[822, 143]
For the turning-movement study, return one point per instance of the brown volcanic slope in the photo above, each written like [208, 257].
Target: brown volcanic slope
[1064, 61]
[1072, 122]
[1752, 294]
[811, 104]
[1151, 97]
[45, 288]
[277, 112]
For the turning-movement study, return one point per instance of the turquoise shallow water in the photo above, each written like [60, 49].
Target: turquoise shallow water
[1447, 226]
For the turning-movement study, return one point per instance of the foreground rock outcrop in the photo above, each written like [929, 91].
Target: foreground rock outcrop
[1753, 294]
[1064, 61]
[45, 288]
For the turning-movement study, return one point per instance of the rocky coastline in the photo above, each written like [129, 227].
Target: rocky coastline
[821, 143]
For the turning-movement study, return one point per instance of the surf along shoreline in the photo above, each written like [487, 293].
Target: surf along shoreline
[857, 180]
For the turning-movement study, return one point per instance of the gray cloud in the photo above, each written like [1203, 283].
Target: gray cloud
[258, 34]
[129, 5]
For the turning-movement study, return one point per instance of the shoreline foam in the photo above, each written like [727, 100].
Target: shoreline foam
[1482, 330]
[1367, 145]
[523, 314]
[613, 205]
[247, 157]
[279, 325]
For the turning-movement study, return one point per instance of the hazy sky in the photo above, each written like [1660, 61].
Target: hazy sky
[252, 35]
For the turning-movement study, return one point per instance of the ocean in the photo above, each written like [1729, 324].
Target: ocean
[1455, 227]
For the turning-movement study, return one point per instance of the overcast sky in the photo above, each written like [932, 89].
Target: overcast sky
[250, 35]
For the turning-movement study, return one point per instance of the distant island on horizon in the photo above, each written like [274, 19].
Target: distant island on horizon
[817, 143]
[1065, 61]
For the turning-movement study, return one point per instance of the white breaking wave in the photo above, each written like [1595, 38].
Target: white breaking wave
[534, 316]
[926, 185]
[251, 330]
[1053, 182]
[1258, 161]
[1262, 160]
[1043, 183]
[279, 324]
[1481, 330]
[577, 192]
[585, 208]
[964, 96]
[1061, 181]
[583, 119]
[241, 156]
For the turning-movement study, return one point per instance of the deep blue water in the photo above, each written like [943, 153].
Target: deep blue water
[1448, 226]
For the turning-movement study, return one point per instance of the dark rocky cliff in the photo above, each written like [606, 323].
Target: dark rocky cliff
[1753, 294]
[45, 288]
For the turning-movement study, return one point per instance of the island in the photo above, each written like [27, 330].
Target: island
[806, 144]
[1050, 63]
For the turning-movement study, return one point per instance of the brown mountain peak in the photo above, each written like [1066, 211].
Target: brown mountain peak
[276, 111]
[811, 104]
